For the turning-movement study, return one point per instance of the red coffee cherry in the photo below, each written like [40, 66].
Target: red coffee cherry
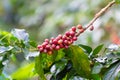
[79, 26]
[72, 33]
[67, 33]
[81, 30]
[91, 28]
[73, 29]
[46, 40]
[60, 41]
[74, 38]
[53, 46]
[57, 47]
[45, 50]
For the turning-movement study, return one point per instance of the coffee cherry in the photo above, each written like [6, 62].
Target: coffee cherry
[49, 52]
[60, 36]
[74, 38]
[41, 49]
[73, 29]
[79, 26]
[45, 50]
[67, 33]
[61, 46]
[64, 37]
[53, 46]
[57, 47]
[81, 30]
[47, 47]
[60, 41]
[72, 33]
[92, 28]
[66, 47]
[46, 40]
[39, 46]
[55, 41]
[65, 42]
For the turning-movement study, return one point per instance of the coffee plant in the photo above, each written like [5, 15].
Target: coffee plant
[58, 58]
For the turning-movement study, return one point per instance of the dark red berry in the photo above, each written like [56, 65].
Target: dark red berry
[67, 33]
[72, 33]
[74, 38]
[61, 45]
[65, 42]
[64, 37]
[55, 41]
[92, 28]
[73, 29]
[47, 47]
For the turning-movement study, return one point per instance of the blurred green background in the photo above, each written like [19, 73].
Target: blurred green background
[48, 18]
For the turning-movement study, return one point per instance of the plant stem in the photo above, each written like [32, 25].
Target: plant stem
[100, 13]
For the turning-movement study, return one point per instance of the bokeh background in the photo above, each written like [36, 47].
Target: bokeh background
[48, 18]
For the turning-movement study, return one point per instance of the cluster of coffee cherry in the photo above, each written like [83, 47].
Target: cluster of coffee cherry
[61, 41]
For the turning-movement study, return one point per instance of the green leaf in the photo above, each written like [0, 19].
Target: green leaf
[33, 44]
[43, 62]
[80, 61]
[60, 55]
[117, 1]
[4, 49]
[58, 67]
[39, 67]
[97, 68]
[97, 49]
[112, 72]
[25, 72]
[96, 77]
[86, 48]
[20, 34]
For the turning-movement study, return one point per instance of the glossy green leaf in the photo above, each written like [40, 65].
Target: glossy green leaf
[32, 43]
[96, 77]
[39, 67]
[86, 48]
[4, 49]
[112, 72]
[60, 55]
[25, 72]
[20, 34]
[97, 68]
[58, 67]
[97, 49]
[80, 61]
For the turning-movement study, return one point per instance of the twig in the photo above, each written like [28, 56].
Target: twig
[100, 13]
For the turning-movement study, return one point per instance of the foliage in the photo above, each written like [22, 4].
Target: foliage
[78, 61]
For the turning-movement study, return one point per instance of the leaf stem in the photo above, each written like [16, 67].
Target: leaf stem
[97, 15]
